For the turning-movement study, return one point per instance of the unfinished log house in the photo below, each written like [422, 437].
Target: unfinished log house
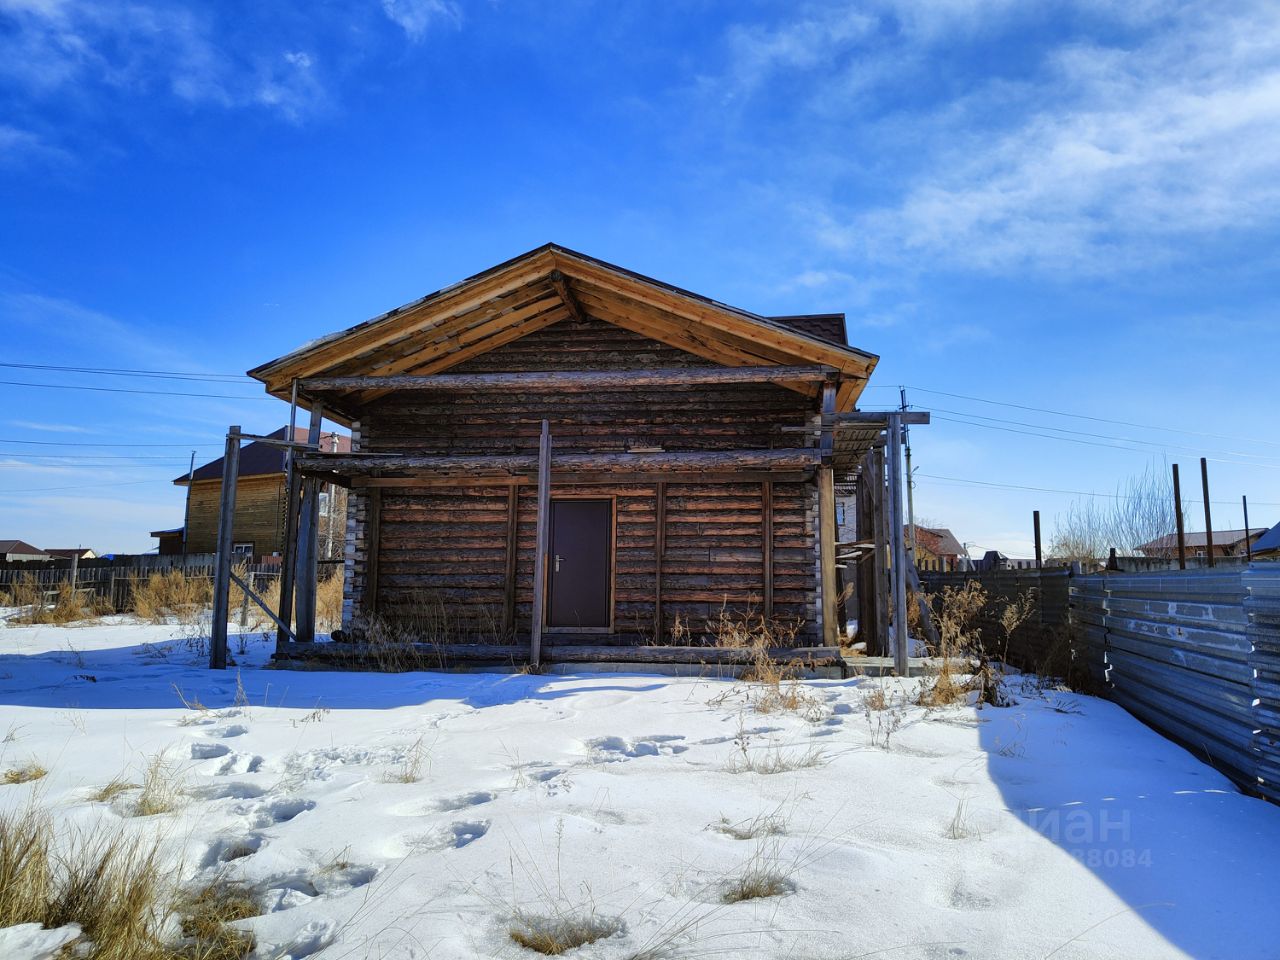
[559, 459]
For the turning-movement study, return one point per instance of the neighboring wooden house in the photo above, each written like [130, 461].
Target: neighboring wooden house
[1267, 546]
[692, 454]
[21, 550]
[937, 549]
[260, 503]
[1226, 543]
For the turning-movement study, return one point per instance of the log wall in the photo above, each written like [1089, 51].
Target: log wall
[444, 548]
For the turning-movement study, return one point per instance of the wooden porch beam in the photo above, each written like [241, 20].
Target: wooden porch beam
[796, 458]
[571, 381]
[541, 545]
[871, 418]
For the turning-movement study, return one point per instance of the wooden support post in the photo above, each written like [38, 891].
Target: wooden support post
[1177, 509]
[1208, 512]
[766, 544]
[289, 550]
[659, 548]
[222, 571]
[512, 551]
[373, 548]
[542, 545]
[1248, 547]
[827, 554]
[305, 571]
[865, 531]
[1035, 522]
[881, 555]
[828, 423]
[897, 552]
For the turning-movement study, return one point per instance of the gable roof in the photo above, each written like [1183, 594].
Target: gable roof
[1221, 538]
[553, 283]
[1268, 541]
[939, 541]
[259, 459]
[19, 546]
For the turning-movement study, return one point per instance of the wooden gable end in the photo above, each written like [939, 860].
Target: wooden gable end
[444, 331]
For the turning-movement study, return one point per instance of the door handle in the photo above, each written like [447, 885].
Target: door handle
[558, 559]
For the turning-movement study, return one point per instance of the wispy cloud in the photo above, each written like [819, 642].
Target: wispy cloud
[85, 330]
[417, 17]
[48, 427]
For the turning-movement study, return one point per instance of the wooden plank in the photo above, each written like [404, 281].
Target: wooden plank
[541, 545]
[766, 545]
[572, 479]
[571, 381]
[222, 572]
[464, 466]
[881, 528]
[582, 653]
[659, 549]
[897, 552]
[512, 548]
[288, 551]
[306, 570]
[871, 418]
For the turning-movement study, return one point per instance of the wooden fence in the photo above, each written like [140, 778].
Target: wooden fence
[111, 579]
[1195, 654]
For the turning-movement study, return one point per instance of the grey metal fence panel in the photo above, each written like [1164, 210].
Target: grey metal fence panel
[1263, 608]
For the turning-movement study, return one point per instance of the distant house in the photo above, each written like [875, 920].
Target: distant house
[21, 550]
[937, 549]
[67, 553]
[260, 503]
[1267, 546]
[1226, 543]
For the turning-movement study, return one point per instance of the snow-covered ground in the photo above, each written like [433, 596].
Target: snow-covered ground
[1059, 827]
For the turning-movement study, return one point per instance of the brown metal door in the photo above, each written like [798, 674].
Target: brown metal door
[580, 565]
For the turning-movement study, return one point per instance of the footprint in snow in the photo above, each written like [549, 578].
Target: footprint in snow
[262, 815]
[473, 799]
[240, 763]
[209, 751]
[612, 749]
[229, 849]
[226, 791]
[232, 730]
[455, 836]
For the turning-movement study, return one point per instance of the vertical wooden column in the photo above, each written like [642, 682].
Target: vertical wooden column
[865, 532]
[288, 550]
[541, 546]
[512, 549]
[827, 518]
[881, 554]
[827, 554]
[897, 549]
[1177, 509]
[659, 548]
[1208, 511]
[222, 572]
[766, 544]
[308, 533]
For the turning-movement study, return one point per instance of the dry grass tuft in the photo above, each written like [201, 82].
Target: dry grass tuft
[329, 603]
[23, 774]
[409, 769]
[109, 791]
[758, 827]
[163, 790]
[555, 935]
[68, 604]
[170, 593]
[112, 886]
[777, 685]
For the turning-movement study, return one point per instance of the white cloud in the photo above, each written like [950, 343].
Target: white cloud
[48, 427]
[416, 17]
[1115, 159]
[17, 145]
[66, 46]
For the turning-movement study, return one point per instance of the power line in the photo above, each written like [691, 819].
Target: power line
[82, 486]
[1081, 493]
[1081, 416]
[23, 455]
[85, 443]
[1099, 436]
[1090, 443]
[159, 393]
[123, 372]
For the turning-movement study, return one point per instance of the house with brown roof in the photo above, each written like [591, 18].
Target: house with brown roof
[1226, 543]
[21, 550]
[937, 549]
[260, 502]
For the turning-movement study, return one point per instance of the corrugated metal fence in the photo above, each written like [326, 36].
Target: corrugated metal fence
[1194, 654]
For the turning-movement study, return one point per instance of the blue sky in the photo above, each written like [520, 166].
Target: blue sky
[1069, 206]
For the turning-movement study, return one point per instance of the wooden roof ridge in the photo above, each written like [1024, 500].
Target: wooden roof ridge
[543, 266]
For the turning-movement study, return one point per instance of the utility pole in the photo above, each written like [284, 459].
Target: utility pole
[186, 510]
[1177, 509]
[911, 482]
[1208, 516]
[1248, 547]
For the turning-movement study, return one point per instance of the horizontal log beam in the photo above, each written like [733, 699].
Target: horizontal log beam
[697, 461]
[872, 418]
[561, 479]
[445, 653]
[570, 381]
